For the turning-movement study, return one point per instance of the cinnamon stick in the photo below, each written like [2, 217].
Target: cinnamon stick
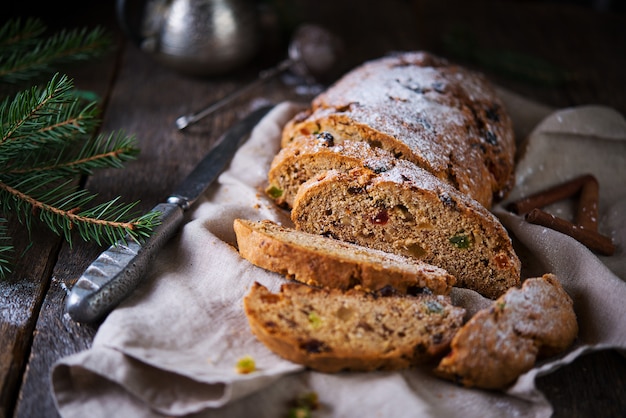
[587, 212]
[550, 195]
[590, 238]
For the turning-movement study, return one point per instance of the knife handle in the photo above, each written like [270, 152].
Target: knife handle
[119, 269]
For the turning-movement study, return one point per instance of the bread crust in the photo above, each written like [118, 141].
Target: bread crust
[325, 262]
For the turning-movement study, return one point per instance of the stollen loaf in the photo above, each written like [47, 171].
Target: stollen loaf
[422, 108]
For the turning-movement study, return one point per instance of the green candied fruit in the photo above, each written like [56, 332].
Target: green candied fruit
[434, 307]
[274, 192]
[300, 412]
[461, 241]
[304, 405]
[245, 365]
[315, 320]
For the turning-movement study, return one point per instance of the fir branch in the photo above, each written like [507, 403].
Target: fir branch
[48, 140]
[45, 144]
[98, 152]
[16, 36]
[63, 210]
[40, 118]
[24, 58]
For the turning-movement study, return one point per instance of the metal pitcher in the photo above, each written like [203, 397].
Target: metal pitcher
[196, 37]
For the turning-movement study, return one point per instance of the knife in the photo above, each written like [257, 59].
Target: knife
[119, 269]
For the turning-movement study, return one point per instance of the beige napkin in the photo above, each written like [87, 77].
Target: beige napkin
[171, 349]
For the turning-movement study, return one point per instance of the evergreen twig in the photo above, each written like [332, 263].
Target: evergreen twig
[26, 55]
[48, 140]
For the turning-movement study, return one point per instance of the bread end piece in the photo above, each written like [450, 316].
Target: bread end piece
[500, 343]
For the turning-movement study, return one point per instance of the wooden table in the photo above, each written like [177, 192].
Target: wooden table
[143, 98]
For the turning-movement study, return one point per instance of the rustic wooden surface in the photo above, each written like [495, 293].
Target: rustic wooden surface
[143, 98]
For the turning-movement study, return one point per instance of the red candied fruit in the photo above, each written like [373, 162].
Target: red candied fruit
[381, 218]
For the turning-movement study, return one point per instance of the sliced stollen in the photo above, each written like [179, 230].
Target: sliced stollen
[443, 117]
[326, 262]
[500, 343]
[309, 155]
[410, 212]
[330, 330]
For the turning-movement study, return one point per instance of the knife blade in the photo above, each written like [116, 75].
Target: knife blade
[119, 270]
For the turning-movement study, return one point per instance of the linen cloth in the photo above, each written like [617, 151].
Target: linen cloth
[172, 347]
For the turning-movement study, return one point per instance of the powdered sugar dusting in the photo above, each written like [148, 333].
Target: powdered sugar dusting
[447, 118]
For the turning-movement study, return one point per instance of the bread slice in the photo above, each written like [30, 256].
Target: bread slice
[422, 108]
[412, 213]
[306, 156]
[329, 330]
[500, 343]
[321, 261]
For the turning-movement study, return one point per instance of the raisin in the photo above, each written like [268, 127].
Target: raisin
[420, 349]
[387, 291]
[417, 290]
[356, 190]
[493, 113]
[375, 143]
[377, 170]
[447, 201]
[491, 138]
[314, 346]
[439, 87]
[327, 138]
[328, 234]
[344, 108]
